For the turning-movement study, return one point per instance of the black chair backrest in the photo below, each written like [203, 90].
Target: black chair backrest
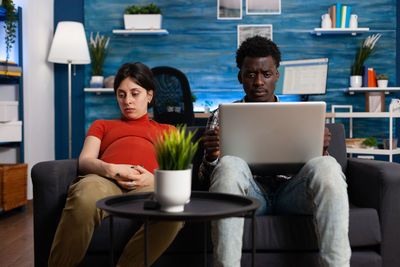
[337, 147]
[172, 85]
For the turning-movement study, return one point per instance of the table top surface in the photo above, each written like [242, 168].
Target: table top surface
[203, 206]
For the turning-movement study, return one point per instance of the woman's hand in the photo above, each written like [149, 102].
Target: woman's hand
[132, 176]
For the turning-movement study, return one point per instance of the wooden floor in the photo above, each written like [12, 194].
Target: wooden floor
[16, 238]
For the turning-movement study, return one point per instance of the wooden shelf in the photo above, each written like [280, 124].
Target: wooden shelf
[352, 31]
[387, 90]
[140, 32]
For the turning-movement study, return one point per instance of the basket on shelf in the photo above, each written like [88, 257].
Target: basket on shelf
[13, 186]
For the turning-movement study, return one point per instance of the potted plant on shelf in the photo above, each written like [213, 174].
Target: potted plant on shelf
[382, 80]
[366, 49]
[370, 142]
[207, 106]
[172, 105]
[173, 178]
[9, 25]
[138, 17]
[98, 48]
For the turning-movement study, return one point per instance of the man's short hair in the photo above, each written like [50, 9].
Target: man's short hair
[257, 46]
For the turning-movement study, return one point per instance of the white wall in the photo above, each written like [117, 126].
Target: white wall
[38, 82]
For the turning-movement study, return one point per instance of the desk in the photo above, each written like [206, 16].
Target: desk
[203, 206]
[203, 115]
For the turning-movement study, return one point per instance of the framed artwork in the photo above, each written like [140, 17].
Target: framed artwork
[246, 31]
[263, 7]
[229, 9]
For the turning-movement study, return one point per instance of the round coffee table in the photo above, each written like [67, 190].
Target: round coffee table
[203, 206]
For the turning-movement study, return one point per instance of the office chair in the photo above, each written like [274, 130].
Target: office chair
[172, 87]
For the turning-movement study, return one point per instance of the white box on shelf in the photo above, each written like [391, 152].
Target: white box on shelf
[8, 111]
[142, 21]
[11, 131]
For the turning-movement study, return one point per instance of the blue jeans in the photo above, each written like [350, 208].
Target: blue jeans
[319, 189]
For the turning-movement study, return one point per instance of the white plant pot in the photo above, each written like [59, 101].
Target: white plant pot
[355, 81]
[170, 108]
[382, 83]
[177, 109]
[143, 21]
[172, 189]
[96, 81]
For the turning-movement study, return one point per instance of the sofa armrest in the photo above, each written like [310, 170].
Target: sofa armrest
[50, 180]
[376, 184]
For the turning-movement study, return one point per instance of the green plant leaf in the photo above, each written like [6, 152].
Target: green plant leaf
[175, 148]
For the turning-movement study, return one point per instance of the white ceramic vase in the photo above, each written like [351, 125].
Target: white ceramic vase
[172, 189]
[96, 81]
[382, 83]
[355, 81]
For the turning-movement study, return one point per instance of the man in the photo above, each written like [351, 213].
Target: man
[318, 189]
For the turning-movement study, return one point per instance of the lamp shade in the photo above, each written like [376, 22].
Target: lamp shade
[69, 44]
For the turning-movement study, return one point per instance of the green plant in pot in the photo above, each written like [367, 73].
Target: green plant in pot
[366, 48]
[370, 142]
[173, 179]
[382, 80]
[98, 48]
[9, 25]
[142, 17]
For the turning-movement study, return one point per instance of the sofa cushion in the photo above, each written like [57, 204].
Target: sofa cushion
[276, 232]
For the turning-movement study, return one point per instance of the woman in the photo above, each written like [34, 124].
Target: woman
[118, 157]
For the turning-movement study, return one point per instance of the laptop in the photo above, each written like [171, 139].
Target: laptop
[277, 137]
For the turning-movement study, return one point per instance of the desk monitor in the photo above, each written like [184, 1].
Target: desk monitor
[302, 77]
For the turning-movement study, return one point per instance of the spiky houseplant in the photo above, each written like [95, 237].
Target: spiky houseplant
[366, 49]
[175, 149]
[98, 48]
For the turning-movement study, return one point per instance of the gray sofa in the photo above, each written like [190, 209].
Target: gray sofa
[374, 193]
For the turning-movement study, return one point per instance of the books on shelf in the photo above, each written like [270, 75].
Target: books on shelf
[10, 68]
[332, 13]
[340, 15]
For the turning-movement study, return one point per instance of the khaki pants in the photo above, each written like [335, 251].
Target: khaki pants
[80, 217]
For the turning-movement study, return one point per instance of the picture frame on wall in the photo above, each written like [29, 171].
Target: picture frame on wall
[250, 30]
[229, 9]
[263, 7]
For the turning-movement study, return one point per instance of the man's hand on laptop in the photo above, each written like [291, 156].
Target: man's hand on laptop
[211, 144]
[327, 141]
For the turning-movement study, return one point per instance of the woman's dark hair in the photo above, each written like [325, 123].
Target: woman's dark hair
[257, 46]
[139, 73]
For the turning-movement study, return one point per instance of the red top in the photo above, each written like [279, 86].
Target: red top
[128, 141]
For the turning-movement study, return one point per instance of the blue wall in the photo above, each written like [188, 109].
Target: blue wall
[204, 48]
[68, 11]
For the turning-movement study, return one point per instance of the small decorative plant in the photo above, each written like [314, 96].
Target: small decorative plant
[169, 102]
[146, 9]
[366, 49]
[175, 149]
[370, 142]
[98, 48]
[382, 77]
[9, 25]
[194, 98]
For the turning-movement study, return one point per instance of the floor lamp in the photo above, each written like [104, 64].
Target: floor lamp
[69, 46]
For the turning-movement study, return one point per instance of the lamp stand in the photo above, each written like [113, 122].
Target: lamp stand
[69, 111]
